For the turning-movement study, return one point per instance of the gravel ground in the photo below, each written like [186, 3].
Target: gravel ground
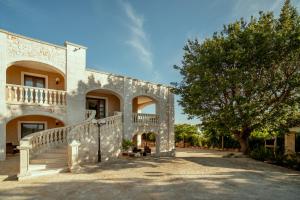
[193, 174]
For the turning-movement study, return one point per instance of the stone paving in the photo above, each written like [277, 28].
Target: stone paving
[193, 174]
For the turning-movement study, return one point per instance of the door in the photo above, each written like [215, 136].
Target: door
[98, 105]
[34, 81]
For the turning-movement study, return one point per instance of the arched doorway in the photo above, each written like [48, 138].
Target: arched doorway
[22, 126]
[146, 142]
[105, 102]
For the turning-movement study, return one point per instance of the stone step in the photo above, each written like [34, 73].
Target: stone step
[57, 150]
[46, 172]
[36, 167]
[48, 160]
[51, 155]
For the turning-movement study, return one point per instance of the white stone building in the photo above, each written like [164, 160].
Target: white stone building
[46, 97]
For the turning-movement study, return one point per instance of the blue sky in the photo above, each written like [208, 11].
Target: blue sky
[137, 38]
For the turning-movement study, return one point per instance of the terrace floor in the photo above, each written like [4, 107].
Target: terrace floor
[193, 174]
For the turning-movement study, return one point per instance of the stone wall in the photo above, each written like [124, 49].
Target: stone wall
[110, 143]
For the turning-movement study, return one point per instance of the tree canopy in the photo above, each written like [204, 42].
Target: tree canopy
[246, 77]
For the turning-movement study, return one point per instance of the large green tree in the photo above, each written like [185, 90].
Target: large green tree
[246, 77]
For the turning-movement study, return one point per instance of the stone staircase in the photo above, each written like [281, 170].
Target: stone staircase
[51, 162]
[46, 152]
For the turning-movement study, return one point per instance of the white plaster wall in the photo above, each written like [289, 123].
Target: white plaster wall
[76, 63]
[3, 62]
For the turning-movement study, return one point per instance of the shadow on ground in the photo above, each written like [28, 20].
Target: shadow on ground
[199, 176]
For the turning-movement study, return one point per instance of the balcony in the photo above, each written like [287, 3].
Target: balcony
[19, 94]
[143, 119]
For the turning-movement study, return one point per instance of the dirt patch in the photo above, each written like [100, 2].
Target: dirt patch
[193, 174]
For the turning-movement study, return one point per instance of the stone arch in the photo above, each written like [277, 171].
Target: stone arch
[39, 113]
[138, 136]
[14, 124]
[153, 98]
[54, 76]
[106, 91]
[36, 62]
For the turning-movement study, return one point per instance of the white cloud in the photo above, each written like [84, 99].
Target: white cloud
[138, 39]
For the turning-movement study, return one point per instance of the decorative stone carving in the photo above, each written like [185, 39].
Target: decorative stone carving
[18, 48]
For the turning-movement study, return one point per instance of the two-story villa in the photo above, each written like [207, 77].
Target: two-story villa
[56, 110]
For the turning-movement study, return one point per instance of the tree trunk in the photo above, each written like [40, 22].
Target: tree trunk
[242, 137]
[244, 145]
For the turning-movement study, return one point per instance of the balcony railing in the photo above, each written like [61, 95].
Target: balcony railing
[145, 119]
[19, 94]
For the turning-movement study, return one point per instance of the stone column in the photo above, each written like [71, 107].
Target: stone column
[73, 156]
[3, 112]
[139, 140]
[75, 70]
[127, 117]
[289, 143]
[24, 160]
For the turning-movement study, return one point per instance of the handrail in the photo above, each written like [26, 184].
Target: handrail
[145, 119]
[106, 123]
[37, 141]
[34, 95]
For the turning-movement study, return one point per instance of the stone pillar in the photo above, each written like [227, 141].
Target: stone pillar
[289, 143]
[76, 83]
[171, 113]
[139, 140]
[3, 112]
[127, 123]
[73, 156]
[24, 160]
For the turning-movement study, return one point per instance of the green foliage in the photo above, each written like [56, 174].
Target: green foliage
[264, 134]
[261, 154]
[245, 77]
[184, 131]
[149, 136]
[126, 144]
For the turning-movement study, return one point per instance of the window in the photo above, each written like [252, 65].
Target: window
[28, 128]
[34, 81]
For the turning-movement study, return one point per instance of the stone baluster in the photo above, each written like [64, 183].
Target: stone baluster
[35, 95]
[31, 100]
[39, 96]
[58, 98]
[9, 93]
[54, 97]
[15, 94]
[50, 97]
[22, 94]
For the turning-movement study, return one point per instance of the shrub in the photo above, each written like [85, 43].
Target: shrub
[261, 154]
[126, 144]
[194, 140]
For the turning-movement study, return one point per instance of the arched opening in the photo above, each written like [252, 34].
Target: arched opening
[146, 142]
[144, 104]
[145, 110]
[35, 82]
[105, 102]
[22, 126]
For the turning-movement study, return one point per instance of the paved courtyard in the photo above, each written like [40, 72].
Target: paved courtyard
[193, 174]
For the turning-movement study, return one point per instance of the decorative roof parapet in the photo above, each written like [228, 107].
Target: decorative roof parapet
[32, 39]
[128, 77]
